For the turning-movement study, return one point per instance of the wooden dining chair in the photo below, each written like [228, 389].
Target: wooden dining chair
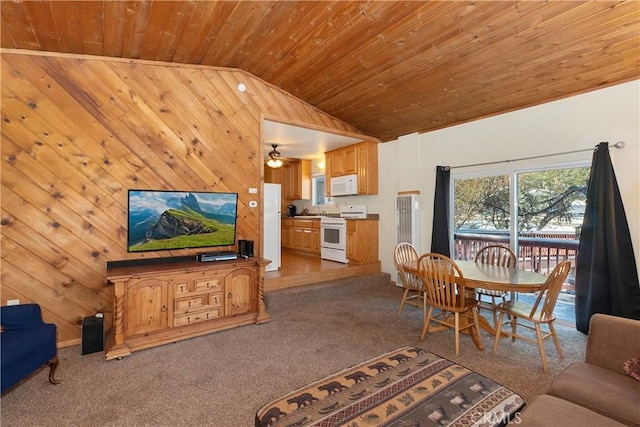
[495, 255]
[413, 289]
[445, 289]
[539, 313]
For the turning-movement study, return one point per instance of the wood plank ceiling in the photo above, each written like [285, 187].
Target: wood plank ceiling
[388, 68]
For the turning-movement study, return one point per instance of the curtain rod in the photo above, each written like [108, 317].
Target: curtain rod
[619, 144]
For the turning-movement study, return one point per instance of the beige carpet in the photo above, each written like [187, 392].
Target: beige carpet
[222, 379]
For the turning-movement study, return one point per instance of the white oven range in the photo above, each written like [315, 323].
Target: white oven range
[333, 239]
[333, 233]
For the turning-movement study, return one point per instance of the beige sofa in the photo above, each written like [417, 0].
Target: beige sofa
[596, 392]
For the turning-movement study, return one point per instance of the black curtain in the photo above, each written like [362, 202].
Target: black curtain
[440, 233]
[606, 273]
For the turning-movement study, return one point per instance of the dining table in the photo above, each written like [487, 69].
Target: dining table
[492, 277]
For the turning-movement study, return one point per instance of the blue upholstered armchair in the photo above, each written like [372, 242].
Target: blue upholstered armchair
[27, 344]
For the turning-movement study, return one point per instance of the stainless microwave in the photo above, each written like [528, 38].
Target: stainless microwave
[346, 185]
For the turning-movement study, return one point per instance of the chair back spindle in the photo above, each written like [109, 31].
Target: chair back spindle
[444, 287]
[551, 291]
[500, 256]
[403, 254]
[540, 313]
[497, 255]
[443, 281]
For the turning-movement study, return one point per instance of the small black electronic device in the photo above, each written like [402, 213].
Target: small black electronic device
[245, 248]
[150, 261]
[92, 334]
[217, 256]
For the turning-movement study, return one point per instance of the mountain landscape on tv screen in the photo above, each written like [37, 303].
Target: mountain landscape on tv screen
[168, 220]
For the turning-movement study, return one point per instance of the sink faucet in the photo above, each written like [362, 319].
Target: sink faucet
[316, 208]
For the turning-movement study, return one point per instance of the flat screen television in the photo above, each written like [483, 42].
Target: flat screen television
[166, 220]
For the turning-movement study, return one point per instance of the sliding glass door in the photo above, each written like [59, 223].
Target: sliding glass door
[482, 214]
[550, 212]
[537, 213]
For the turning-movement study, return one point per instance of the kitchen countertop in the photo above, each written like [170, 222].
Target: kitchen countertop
[371, 217]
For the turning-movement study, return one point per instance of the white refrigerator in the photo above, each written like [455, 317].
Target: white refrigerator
[271, 226]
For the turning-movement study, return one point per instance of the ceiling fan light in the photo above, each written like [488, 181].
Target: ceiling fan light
[274, 157]
[274, 163]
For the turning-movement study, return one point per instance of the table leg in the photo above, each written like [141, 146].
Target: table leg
[477, 339]
[484, 324]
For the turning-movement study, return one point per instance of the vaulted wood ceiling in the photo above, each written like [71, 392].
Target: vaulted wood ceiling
[388, 68]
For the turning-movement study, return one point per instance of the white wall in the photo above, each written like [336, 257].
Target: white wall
[580, 122]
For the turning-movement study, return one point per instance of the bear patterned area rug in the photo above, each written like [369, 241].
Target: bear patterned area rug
[406, 387]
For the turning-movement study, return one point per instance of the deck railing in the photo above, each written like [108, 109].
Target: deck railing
[535, 253]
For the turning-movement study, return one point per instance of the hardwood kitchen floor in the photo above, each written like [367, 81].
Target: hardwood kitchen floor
[299, 269]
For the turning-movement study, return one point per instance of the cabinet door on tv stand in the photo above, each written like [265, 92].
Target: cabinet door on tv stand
[240, 292]
[147, 306]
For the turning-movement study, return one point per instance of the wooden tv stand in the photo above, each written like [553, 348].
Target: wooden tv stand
[162, 303]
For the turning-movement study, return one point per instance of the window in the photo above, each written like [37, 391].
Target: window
[318, 197]
[537, 213]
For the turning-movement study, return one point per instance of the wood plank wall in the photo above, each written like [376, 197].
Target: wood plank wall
[79, 131]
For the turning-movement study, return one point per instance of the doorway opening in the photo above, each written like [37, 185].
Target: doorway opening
[536, 213]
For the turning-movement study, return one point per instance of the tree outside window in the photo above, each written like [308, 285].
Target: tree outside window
[550, 199]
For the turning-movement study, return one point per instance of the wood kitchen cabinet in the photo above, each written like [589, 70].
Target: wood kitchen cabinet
[360, 159]
[367, 168]
[362, 241]
[287, 233]
[297, 180]
[301, 235]
[302, 239]
[166, 302]
[344, 161]
[294, 177]
[274, 175]
[315, 236]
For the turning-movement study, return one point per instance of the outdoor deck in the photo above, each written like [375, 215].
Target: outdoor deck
[539, 252]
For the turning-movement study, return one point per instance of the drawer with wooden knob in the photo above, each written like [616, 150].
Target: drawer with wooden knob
[181, 288]
[187, 303]
[212, 284]
[189, 318]
[215, 299]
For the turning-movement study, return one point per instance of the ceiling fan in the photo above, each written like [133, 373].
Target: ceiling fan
[275, 159]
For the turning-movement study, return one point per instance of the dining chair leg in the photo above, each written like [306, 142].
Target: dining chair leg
[456, 323]
[424, 306]
[543, 354]
[496, 340]
[404, 298]
[514, 325]
[476, 322]
[425, 328]
[504, 300]
[493, 309]
[556, 340]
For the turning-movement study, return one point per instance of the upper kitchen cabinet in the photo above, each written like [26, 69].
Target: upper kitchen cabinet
[360, 159]
[274, 175]
[344, 161]
[297, 180]
[294, 177]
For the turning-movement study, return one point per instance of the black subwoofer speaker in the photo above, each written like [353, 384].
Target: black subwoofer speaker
[92, 335]
[245, 248]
